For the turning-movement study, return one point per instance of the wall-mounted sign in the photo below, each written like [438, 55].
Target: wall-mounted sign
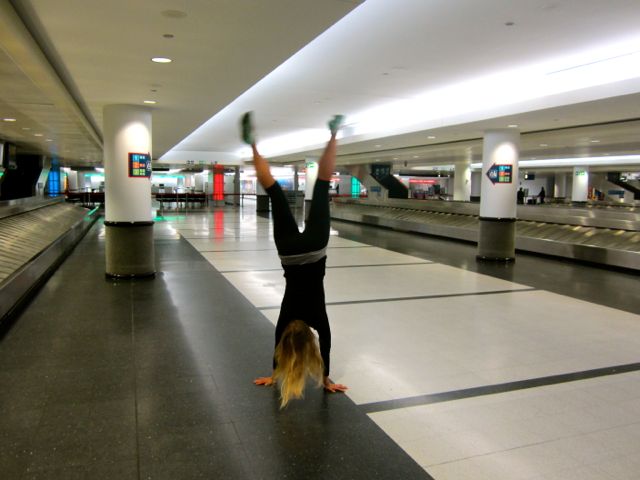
[581, 173]
[380, 170]
[139, 165]
[423, 181]
[500, 173]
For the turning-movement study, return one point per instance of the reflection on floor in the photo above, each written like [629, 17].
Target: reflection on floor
[406, 327]
[457, 369]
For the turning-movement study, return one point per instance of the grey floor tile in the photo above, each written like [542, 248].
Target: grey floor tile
[120, 469]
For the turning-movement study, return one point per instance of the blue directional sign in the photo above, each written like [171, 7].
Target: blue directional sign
[139, 165]
[500, 173]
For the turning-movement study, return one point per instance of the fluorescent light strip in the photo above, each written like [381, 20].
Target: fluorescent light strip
[500, 89]
[290, 142]
[590, 69]
[607, 64]
[576, 162]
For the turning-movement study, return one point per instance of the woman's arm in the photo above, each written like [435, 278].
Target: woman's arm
[266, 381]
[334, 387]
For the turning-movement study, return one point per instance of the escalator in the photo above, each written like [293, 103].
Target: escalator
[617, 179]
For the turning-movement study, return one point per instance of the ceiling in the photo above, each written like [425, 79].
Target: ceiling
[450, 66]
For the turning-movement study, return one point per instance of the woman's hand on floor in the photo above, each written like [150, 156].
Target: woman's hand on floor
[266, 381]
[334, 387]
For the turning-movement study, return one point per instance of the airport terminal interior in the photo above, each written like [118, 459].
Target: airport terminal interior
[482, 268]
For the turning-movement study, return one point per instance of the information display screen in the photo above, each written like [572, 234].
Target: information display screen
[139, 165]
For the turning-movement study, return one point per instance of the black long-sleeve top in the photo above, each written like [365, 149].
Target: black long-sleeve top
[304, 300]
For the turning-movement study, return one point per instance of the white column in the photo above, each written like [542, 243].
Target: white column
[81, 180]
[236, 186]
[462, 181]
[499, 157]
[496, 236]
[72, 178]
[476, 182]
[210, 181]
[311, 176]
[580, 186]
[560, 185]
[127, 129]
[199, 182]
[262, 198]
[128, 215]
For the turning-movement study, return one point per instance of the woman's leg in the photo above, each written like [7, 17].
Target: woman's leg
[328, 159]
[316, 232]
[263, 172]
[285, 228]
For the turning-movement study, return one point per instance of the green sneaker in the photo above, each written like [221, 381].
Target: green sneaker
[335, 123]
[246, 127]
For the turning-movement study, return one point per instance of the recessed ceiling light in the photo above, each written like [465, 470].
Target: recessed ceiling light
[544, 145]
[37, 134]
[513, 126]
[431, 137]
[395, 158]
[48, 140]
[9, 119]
[173, 13]
[595, 141]
[416, 156]
[378, 146]
[150, 102]
[26, 128]
[161, 60]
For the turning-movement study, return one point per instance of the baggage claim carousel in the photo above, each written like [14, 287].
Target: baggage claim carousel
[607, 235]
[36, 234]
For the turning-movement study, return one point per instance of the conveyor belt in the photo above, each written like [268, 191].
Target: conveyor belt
[35, 235]
[24, 236]
[610, 246]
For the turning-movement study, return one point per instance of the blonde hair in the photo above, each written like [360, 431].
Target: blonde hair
[297, 357]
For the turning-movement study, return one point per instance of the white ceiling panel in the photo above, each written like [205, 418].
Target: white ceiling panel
[297, 62]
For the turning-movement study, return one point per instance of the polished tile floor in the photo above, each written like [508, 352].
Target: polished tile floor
[457, 369]
[411, 333]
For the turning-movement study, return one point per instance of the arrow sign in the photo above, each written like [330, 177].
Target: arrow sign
[500, 173]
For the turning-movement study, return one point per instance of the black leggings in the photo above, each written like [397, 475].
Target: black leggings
[289, 240]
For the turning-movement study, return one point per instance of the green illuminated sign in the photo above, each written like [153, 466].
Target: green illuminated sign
[355, 188]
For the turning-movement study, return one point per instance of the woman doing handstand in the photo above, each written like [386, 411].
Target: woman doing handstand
[303, 257]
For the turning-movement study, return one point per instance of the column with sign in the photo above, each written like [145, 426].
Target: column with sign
[128, 217]
[310, 177]
[496, 235]
[580, 185]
